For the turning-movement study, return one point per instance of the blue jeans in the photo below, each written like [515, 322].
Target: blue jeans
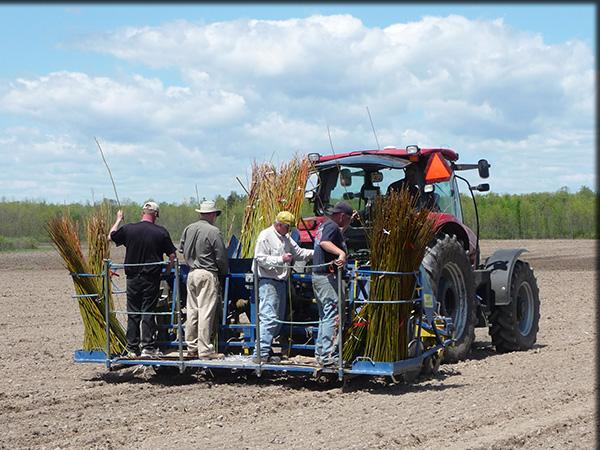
[325, 289]
[272, 296]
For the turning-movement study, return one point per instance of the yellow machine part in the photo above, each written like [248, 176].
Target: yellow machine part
[427, 334]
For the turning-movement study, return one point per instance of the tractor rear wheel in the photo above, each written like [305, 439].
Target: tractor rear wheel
[515, 326]
[450, 276]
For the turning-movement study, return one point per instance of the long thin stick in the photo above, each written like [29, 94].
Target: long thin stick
[242, 184]
[330, 141]
[109, 172]
[372, 126]
[231, 226]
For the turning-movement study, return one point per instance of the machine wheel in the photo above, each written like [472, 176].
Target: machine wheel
[412, 375]
[451, 278]
[431, 364]
[515, 326]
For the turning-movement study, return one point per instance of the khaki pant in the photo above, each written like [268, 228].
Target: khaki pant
[202, 300]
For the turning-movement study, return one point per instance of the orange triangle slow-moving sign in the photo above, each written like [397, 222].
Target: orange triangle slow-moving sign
[437, 170]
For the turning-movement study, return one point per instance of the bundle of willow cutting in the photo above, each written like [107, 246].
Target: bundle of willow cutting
[399, 237]
[89, 289]
[271, 191]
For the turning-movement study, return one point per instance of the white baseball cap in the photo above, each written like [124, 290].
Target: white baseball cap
[151, 206]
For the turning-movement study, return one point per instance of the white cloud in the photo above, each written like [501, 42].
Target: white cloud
[256, 88]
[142, 105]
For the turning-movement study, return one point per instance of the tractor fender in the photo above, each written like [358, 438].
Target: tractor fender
[500, 265]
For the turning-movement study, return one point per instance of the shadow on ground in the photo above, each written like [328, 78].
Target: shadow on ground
[323, 382]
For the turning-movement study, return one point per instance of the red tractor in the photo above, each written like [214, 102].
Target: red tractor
[500, 293]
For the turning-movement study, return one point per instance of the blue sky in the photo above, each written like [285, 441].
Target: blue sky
[200, 91]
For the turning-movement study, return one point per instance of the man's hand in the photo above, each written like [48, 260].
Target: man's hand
[341, 260]
[116, 224]
[287, 257]
[167, 276]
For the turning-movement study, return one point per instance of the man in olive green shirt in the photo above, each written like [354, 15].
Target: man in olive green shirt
[204, 251]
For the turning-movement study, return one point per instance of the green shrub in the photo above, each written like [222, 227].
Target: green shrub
[19, 243]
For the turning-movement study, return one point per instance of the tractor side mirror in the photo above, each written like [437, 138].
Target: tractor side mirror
[484, 168]
[376, 177]
[312, 184]
[348, 195]
[483, 187]
[345, 177]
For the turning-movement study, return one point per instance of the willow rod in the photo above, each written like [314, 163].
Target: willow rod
[109, 172]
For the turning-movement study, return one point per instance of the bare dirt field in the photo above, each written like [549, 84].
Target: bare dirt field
[543, 398]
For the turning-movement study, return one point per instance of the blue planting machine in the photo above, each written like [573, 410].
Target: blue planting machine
[455, 290]
[239, 325]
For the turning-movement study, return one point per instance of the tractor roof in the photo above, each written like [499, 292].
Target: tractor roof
[374, 161]
[390, 153]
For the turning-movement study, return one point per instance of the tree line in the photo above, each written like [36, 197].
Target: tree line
[558, 215]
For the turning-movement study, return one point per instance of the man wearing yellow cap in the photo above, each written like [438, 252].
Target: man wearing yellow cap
[274, 253]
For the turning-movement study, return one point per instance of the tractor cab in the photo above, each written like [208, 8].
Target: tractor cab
[359, 178]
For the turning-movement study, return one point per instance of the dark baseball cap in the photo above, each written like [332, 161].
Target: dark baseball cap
[342, 207]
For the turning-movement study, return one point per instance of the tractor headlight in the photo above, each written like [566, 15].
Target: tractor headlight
[314, 157]
[412, 149]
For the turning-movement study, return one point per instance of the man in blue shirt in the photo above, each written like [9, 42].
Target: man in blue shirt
[330, 247]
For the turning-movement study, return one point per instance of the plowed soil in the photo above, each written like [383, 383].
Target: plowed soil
[542, 398]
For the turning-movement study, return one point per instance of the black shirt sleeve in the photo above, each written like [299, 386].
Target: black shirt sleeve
[168, 246]
[119, 237]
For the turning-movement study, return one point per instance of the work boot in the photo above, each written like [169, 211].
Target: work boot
[151, 353]
[212, 355]
[129, 354]
[266, 359]
[329, 362]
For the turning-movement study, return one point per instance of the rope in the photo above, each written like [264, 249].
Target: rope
[283, 322]
[121, 266]
[388, 302]
[307, 266]
[143, 313]
[85, 275]
[382, 272]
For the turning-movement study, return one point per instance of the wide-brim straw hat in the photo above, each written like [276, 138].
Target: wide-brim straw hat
[208, 207]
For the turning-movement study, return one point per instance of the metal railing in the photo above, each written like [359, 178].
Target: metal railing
[356, 275]
[175, 310]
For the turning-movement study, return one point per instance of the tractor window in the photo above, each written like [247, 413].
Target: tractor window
[356, 186]
[456, 198]
[448, 200]
[389, 176]
[347, 186]
[445, 202]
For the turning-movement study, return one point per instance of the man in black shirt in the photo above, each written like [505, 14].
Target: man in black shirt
[330, 247]
[145, 242]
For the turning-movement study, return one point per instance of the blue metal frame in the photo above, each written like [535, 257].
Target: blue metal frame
[359, 280]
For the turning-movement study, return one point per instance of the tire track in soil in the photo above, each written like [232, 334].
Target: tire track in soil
[517, 432]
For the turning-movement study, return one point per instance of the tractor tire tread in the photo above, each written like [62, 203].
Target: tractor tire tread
[504, 326]
[447, 247]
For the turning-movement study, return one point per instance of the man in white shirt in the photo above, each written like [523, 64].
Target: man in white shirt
[274, 249]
